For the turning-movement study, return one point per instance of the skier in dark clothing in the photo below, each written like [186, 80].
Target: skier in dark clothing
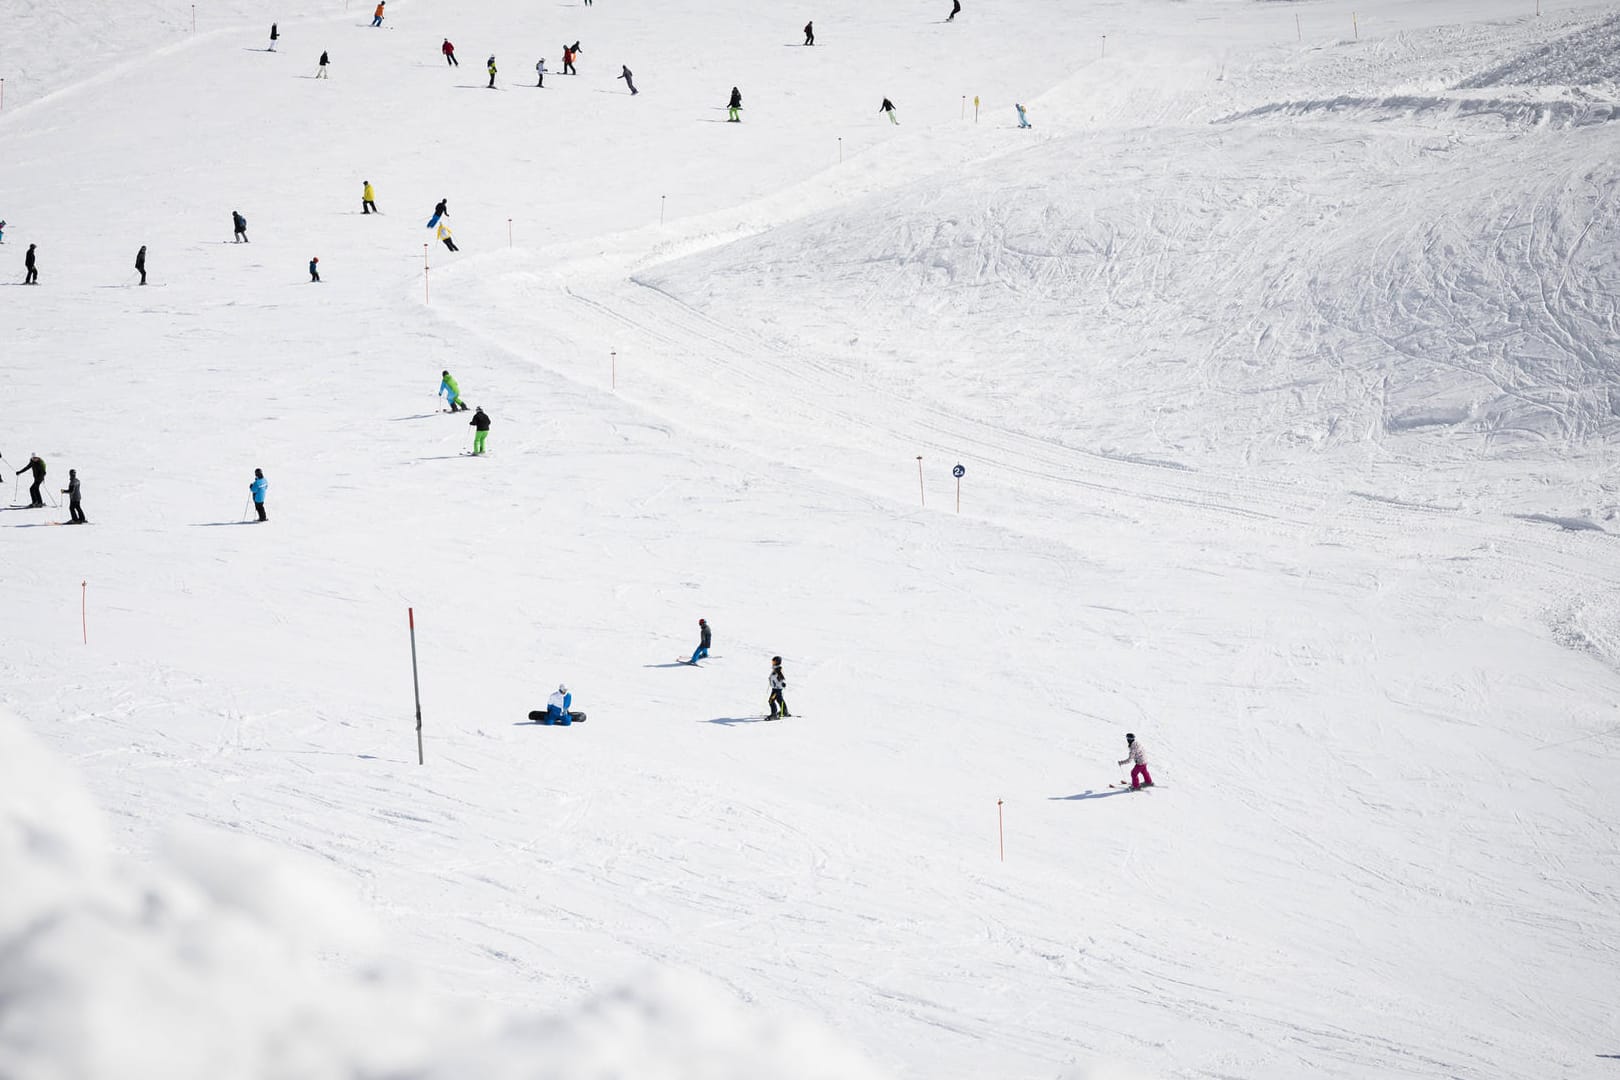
[37, 467]
[702, 651]
[320, 72]
[75, 508]
[480, 425]
[888, 107]
[239, 223]
[568, 60]
[274, 35]
[734, 107]
[778, 684]
[140, 263]
[809, 33]
[629, 80]
[956, 9]
[32, 277]
[439, 211]
[449, 51]
[491, 67]
[314, 269]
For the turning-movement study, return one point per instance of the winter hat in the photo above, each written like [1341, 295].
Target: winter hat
[315, 259]
[702, 623]
[258, 472]
[1129, 737]
[776, 659]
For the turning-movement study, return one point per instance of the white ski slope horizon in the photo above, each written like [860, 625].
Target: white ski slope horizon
[1281, 367]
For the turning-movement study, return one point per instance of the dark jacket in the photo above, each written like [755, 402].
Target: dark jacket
[36, 466]
[73, 489]
[274, 33]
[887, 106]
[238, 222]
[736, 99]
[28, 259]
[324, 59]
[140, 258]
[480, 420]
[703, 641]
[442, 209]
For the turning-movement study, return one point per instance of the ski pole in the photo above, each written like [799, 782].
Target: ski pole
[245, 507]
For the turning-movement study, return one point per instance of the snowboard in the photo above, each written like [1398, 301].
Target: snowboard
[539, 716]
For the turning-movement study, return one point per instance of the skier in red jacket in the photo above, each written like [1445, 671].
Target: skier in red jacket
[449, 51]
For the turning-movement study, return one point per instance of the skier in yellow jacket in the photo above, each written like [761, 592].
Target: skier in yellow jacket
[368, 199]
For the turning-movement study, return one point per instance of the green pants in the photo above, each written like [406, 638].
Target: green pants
[478, 441]
[735, 118]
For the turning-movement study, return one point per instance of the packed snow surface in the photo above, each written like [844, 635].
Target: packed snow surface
[1279, 356]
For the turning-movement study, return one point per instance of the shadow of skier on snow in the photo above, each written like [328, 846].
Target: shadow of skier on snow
[729, 721]
[1089, 793]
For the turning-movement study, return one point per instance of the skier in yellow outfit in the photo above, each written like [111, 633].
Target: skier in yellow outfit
[368, 199]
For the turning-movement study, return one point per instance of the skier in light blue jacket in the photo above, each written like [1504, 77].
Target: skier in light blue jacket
[259, 486]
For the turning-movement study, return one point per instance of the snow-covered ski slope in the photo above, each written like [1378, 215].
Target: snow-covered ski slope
[1281, 366]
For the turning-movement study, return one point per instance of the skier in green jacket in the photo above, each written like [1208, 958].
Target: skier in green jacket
[447, 385]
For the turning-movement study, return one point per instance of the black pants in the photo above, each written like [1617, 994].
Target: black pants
[451, 244]
[542, 81]
[492, 80]
[75, 511]
[241, 235]
[568, 69]
[809, 39]
[450, 58]
[142, 271]
[314, 275]
[368, 207]
[260, 508]
[778, 702]
[32, 278]
[34, 497]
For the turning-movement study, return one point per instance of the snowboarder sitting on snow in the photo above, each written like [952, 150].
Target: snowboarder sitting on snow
[702, 651]
[259, 486]
[75, 507]
[36, 465]
[778, 684]
[1139, 772]
[557, 706]
[448, 387]
[480, 425]
[239, 223]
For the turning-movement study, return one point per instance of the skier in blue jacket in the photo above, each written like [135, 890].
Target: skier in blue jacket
[259, 486]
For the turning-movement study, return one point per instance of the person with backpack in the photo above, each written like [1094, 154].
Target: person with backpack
[702, 651]
[320, 72]
[888, 107]
[449, 51]
[314, 270]
[239, 223]
[778, 684]
[1140, 777]
[492, 71]
[368, 198]
[36, 465]
[629, 80]
[734, 107]
[377, 13]
[448, 387]
[274, 34]
[257, 489]
[480, 425]
[809, 33]
[540, 70]
[140, 263]
[75, 507]
[32, 268]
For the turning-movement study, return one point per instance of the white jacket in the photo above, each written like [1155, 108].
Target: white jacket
[1135, 753]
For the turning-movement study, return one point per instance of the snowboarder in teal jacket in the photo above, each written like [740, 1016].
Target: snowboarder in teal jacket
[259, 486]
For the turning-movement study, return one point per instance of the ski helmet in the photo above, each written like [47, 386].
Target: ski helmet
[1129, 737]
[561, 689]
[776, 659]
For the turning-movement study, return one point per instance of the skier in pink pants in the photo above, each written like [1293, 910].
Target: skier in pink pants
[1133, 752]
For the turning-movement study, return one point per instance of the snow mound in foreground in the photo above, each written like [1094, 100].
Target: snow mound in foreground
[205, 962]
